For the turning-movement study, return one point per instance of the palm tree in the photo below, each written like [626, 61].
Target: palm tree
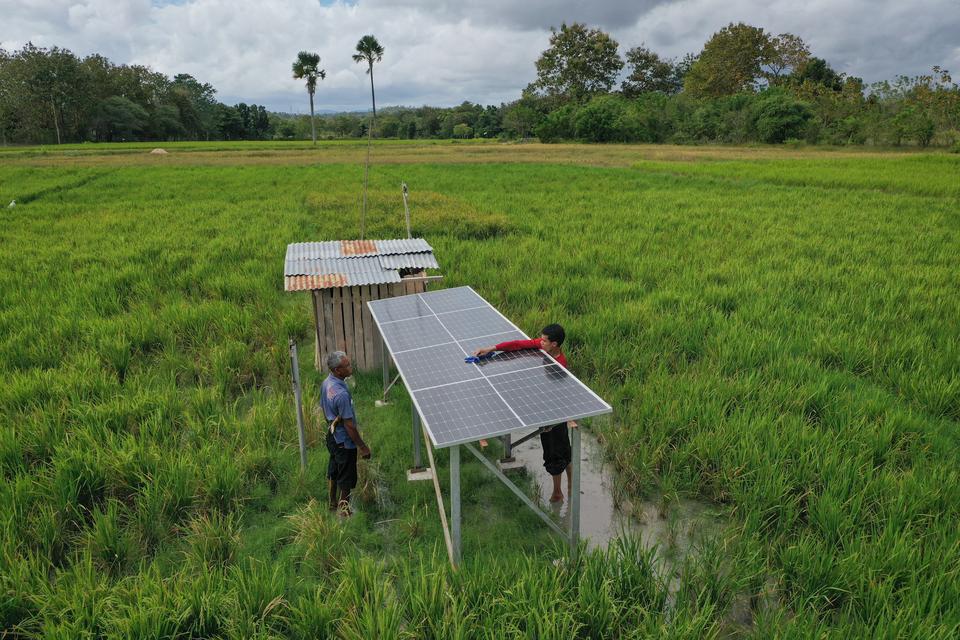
[307, 65]
[369, 51]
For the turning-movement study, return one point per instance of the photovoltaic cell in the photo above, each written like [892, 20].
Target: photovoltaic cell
[457, 299]
[415, 333]
[547, 395]
[430, 334]
[458, 412]
[472, 344]
[475, 322]
[402, 308]
[434, 366]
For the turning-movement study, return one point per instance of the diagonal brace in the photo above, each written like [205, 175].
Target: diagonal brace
[520, 494]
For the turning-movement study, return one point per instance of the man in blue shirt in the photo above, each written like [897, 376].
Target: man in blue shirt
[343, 437]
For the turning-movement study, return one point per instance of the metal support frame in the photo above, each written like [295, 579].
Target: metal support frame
[572, 535]
[516, 490]
[415, 418]
[386, 368]
[295, 364]
[455, 501]
[574, 493]
[529, 436]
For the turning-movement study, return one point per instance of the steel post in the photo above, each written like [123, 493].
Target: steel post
[295, 364]
[415, 418]
[574, 493]
[455, 501]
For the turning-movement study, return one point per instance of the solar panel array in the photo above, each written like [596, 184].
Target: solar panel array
[429, 335]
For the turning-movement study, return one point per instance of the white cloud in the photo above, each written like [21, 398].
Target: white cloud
[443, 52]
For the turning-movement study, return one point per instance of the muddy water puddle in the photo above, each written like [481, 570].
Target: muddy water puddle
[673, 526]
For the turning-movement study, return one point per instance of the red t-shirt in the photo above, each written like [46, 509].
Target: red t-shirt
[520, 345]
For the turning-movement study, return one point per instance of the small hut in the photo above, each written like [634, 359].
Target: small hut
[342, 276]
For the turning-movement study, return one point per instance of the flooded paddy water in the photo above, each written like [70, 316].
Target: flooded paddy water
[673, 526]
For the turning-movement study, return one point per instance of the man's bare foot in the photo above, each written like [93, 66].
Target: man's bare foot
[556, 497]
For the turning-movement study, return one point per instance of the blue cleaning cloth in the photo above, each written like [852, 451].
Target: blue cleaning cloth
[476, 359]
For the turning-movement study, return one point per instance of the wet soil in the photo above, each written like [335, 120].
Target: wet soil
[674, 526]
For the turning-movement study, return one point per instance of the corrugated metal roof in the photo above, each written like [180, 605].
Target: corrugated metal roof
[347, 263]
[363, 264]
[313, 250]
[409, 245]
[308, 283]
[423, 260]
[358, 248]
[331, 280]
[350, 248]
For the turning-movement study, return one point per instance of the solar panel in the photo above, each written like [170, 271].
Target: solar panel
[429, 335]
[414, 333]
[434, 366]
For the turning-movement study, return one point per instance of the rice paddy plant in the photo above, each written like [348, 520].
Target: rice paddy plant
[212, 539]
[776, 330]
[323, 542]
[260, 603]
[224, 483]
[109, 540]
[369, 595]
[202, 604]
[313, 615]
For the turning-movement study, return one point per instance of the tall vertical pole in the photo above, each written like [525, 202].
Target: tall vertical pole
[455, 501]
[415, 419]
[574, 493]
[406, 208]
[386, 367]
[295, 363]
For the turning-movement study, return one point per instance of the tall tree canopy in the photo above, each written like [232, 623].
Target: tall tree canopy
[307, 67]
[731, 61]
[649, 73]
[787, 53]
[580, 62]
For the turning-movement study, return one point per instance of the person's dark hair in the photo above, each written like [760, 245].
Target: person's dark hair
[555, 333]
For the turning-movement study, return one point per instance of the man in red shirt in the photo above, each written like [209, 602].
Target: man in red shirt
[555, 439]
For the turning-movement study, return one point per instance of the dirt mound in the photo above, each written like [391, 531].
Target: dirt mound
[158, 152]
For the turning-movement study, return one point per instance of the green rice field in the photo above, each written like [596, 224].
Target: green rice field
[778, 331]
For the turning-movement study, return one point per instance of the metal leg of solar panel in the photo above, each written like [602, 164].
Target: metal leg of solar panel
[386, 368]
[415, 417]
[574, 493]
[517, 491]
[455, 502]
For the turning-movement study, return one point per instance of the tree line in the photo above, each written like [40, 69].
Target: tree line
[53, 96]
[745, 85]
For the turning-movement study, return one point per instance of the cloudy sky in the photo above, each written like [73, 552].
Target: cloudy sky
[442, 52]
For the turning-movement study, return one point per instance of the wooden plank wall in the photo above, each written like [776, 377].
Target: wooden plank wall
[343, 321]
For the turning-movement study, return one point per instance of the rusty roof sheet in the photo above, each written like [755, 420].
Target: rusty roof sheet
[347, 263]
[424, 260]
[351, 248]
[358, 248]
[308, 283]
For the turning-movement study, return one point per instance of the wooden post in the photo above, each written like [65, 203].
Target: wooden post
[358, 355]
[370, 360]
[316, 299]
[329, 343]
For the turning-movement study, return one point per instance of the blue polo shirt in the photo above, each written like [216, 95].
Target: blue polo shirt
[335, 401]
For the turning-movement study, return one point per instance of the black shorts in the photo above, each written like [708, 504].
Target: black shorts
[342, 468]
[556, 448]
